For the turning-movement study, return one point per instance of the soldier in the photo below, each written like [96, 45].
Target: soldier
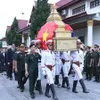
[31, 68]
[14, 57]
[88, 63]
[20, 66]
[39, 50]
[48, 66]
[77, 66]
[96, 62]
[66, 68]
[58, 68]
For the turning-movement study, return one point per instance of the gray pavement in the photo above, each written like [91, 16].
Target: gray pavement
[9, 91]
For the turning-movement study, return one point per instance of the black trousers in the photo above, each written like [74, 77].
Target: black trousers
[89, 72]
[97, 75]
[9, 70]
[21, 75]
[32, 80]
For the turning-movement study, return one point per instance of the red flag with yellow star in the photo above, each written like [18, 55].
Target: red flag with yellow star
[47, 32]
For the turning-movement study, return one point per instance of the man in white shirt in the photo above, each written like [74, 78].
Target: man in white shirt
[66, 67]
[48, 66]
[58, 68]
[77, 64]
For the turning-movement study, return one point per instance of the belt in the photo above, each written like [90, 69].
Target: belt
[77, 63]
[49, 66]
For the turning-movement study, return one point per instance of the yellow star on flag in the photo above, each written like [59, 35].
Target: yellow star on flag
[45, 35]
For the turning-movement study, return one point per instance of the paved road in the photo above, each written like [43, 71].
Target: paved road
[8, 91]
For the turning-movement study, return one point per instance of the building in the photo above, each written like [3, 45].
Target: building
[84, 17]
[25, 35]
[23, 26]
[3, 42]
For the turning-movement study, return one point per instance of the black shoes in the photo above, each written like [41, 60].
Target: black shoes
[67, 82]
[39, 87]
[47, 91]
[54, 96]
[10, 78]
[83, 86]
[18, 86]
[74, 87]
[33, 96]
[21, 90]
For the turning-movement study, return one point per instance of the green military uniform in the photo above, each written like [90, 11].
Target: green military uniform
[14, 57]
[95, 68]
[32, 62]
[88, 65]
[20, 58]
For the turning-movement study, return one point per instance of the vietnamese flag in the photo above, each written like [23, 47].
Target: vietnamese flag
[68, 27]
[47, 32]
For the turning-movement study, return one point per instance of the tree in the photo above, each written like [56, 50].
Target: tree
[39, 17]
[13, 37]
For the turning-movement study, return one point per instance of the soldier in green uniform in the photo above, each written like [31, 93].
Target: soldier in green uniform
[31, 68]
[14, 57]
[20, 66]
[88, 63]
[96, 61]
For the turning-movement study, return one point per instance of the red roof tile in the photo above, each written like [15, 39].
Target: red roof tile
[22, 23]
[63, 2]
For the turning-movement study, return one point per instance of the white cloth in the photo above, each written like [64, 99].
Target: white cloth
[58, 63]
[48, 58]
[40, 74]
[66, 66]
[76, 56]
[81, 59]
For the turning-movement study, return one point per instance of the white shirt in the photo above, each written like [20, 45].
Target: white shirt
[40, 53]
[77, 56]
[57, 55]
[48, 58]
[66, 55]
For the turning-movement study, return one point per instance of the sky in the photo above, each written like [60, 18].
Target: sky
[14, 8]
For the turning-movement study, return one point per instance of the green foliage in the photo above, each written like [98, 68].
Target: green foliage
[13, 37]
[39, 17]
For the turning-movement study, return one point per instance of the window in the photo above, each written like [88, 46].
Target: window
[94, 3]
[78, 10]
[65, 12]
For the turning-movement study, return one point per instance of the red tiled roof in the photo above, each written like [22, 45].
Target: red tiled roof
[22, 23]
[63, 2]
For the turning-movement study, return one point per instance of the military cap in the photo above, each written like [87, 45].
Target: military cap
[96, 45]
[79, 41]
[89, 46]
[32, 44]
[22, 45]
[49, 41]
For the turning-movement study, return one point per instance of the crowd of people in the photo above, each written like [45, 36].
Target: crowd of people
[34, 64]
